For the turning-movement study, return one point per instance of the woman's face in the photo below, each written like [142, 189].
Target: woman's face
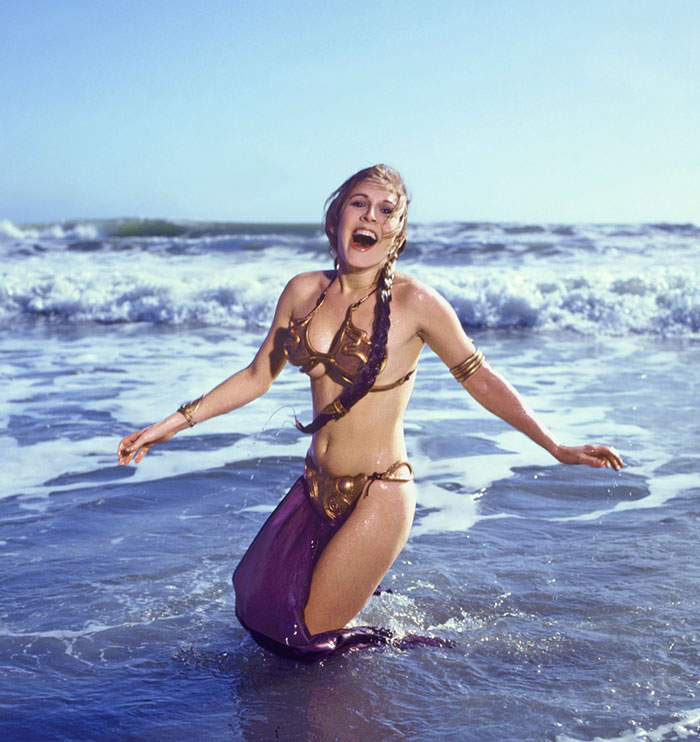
[368, 226]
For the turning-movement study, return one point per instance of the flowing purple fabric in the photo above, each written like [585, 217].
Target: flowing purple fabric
[273, 580]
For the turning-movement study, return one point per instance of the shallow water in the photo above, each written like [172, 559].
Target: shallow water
[570, 593]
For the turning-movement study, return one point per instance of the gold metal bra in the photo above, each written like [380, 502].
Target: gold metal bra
[332, 496]
[348, 353]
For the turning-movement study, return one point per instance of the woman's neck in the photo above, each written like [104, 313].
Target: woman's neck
[352, 282]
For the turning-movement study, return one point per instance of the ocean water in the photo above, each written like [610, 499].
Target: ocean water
[571, 594]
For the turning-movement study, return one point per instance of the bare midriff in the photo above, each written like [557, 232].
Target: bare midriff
[368, 438]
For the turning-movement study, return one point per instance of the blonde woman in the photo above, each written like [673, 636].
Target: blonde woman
[357, 331]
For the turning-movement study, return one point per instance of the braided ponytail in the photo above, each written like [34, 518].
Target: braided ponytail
[382, 310]
[380, 334]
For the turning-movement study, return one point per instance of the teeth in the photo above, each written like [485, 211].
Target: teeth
[364, 237]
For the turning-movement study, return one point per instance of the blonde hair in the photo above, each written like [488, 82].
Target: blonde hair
[382, 174]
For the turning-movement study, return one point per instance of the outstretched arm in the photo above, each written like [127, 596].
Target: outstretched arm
[236, 391]
[497, 395]
[441, 329]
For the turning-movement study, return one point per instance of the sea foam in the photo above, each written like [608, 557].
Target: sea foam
[593, 279]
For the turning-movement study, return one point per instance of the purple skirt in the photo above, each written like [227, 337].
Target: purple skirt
[273, 580]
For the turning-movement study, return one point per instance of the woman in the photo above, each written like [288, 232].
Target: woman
[357, 332]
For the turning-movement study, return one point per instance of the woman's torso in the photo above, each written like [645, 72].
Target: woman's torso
[328, 321]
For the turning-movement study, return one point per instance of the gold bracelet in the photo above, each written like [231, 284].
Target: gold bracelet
[471, 365]
[189, 408]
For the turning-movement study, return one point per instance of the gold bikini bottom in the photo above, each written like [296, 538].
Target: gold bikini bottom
[333, 496]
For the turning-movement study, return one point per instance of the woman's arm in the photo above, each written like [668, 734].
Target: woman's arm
[441, 330]
[236, 391]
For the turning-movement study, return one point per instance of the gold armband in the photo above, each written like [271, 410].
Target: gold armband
[189, 408]
[464, 370]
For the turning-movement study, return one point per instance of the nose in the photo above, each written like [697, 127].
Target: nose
[370, 214]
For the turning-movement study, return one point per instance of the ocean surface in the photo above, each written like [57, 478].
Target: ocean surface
[572, 594]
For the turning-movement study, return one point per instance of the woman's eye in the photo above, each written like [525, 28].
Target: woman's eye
[357, 203]
[387, 210]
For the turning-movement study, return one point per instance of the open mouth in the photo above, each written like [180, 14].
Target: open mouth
[363, 238]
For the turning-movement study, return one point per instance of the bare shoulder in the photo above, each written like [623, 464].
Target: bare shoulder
[304, 286]
[433, 318]
[417, 298]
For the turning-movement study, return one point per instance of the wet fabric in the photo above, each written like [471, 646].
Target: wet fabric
[273, 580]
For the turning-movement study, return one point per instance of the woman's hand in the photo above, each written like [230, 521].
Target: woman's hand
[590, 455]
[138, 444]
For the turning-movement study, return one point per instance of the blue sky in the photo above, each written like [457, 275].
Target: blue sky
[536, 110]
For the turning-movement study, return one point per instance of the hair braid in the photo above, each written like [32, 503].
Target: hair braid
[380, 333]
[335, 204]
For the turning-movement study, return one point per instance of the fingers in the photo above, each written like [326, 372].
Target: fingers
[130, 446]
[599, 457]
[598, 461]
[123, 453]
[609, 458]
[613, 458]
[125, 456]
[616, 459]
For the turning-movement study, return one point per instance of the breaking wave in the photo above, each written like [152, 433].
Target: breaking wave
[611, 279]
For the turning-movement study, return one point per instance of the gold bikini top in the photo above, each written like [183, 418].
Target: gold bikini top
[349, 349]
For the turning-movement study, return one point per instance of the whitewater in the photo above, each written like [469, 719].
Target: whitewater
[571, 595]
